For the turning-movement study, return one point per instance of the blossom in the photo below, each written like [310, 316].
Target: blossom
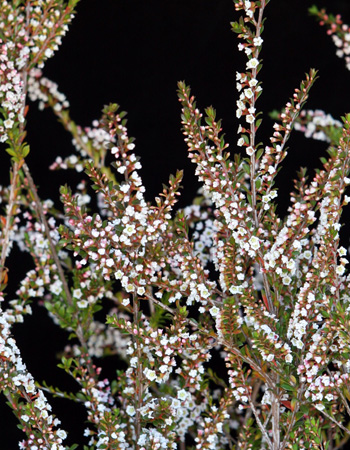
[248, 93]
[286, 280]
[214, 311]
[182, 394]
[130, 410]
[257, 41]
[250, 151]
[289, 358]
[61, 434]
[56, 287]
[150, 374]
[250, 118]
[9, 123]
[254, 242]
[82, 304]
[252, 63]
[77, 293]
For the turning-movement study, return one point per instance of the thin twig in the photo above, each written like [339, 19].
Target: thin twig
[292, 420]
[335, 421]
[40, 212]
[139, 385]
[261, 426]
[39, 209]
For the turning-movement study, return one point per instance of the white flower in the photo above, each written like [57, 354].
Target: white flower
[214, 311]
[257, 41]
[289, 358]
[203, 291]
[129, 229]
[56, 287]
[250, 118]
[150, 374]
[236, 290]
[82, 304]
[320, 407]
[286, 280]
[48, 52]
[141, 290]
[248, 93]
[77, 293]
[130, 410]
[182, 394]
[254, 242]
[129, 287]
[8, 123]
[340, 270]
[118, 274]
[109, 262]
[61, 434]
[252, 63]
[342, 251]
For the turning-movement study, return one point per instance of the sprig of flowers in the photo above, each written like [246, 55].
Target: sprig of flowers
[337, 29]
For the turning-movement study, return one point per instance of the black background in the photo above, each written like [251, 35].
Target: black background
[133, 52]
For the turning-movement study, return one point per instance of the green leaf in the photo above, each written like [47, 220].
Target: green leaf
[313, 10]
[287, 387]
[236, 27]
[25, 151]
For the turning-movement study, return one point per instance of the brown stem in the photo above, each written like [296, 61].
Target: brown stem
[336, 422]
[39, 209]
[260, 425]
[37, 424]
[139, 386]
[275, 408]
[40, 212]
[293, 418]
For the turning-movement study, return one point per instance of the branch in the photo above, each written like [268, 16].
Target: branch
[261, 426]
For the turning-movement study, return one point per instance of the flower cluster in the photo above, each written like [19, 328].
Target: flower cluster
[319, 125]
[339, 31]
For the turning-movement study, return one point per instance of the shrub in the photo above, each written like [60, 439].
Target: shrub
[225, 278]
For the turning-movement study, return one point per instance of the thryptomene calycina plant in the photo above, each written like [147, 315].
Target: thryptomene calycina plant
[225, 278]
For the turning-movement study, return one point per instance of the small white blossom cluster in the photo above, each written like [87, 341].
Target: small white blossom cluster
[103, 337]
[11, 92]
[212, 435]
[314, 124]
[247, 97]
[100, 400]
[299, 321]
[276, 344]
[43, 43]
[15, 376]
[343, 44]
[204, 232]
[42, 89]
